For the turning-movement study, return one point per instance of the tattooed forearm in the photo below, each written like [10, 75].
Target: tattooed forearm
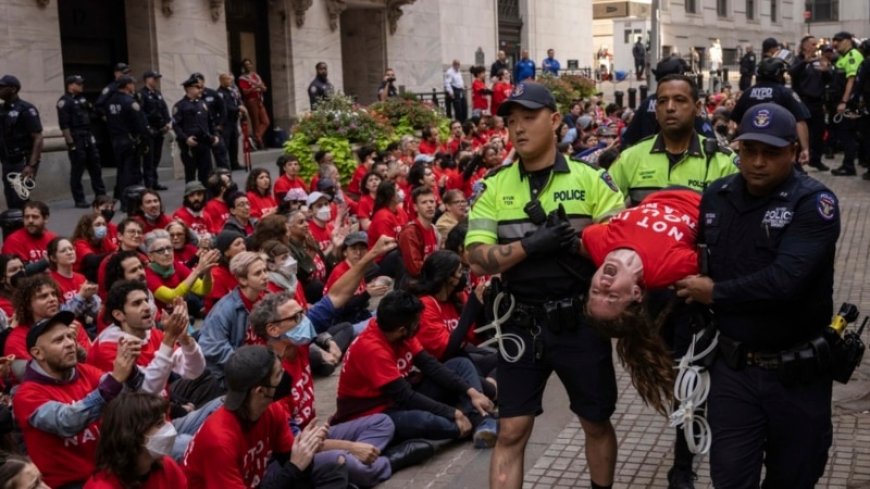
[489, 258]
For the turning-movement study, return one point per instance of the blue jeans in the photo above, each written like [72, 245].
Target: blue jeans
[413, 423]
[376, 430]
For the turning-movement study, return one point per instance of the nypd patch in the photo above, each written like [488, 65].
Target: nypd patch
[60, 103]
[826, 204]
[609, 181]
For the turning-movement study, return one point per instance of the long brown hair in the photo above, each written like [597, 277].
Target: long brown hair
[642, 351]
[85, 229]
[122, 434]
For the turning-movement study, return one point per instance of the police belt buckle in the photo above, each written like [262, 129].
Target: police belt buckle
[767, 361]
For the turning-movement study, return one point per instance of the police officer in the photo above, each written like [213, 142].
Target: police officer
[644, 123]
[862, 95]
[159, 123]
[516, 229]
[235, 108]
[320, 88]
[217, 112]
[387, 88]
[74, 117]
[845, 126]
[129, 133]
[771, 232]
[20, 138]
[195, 131]
[747, 68]
[770, 87]
[809, 75]
[106, 93]
[678, 155]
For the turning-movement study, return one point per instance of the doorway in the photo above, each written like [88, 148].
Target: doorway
[248, 38]
[363, 52]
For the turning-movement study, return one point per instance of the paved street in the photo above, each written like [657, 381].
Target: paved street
[555, 455]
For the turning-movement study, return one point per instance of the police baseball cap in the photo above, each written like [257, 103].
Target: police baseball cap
[190, 82]
[125, 80]
[151, 74]
[672, 65]
[357, 237]
[530, 95]
[842, 35]
[10, 81]
[123, 68]
[193, 187]
[248, 367]
[34, 332]
[769, 43]
[77, 79]
[769, 124]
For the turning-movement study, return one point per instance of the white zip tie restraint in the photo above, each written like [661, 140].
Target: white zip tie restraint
[21, 186]
[690, 390]
[503, 339]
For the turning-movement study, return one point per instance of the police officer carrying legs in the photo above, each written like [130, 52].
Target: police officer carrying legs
[129, 132]
[233, 101]
[159, 123]
[194, 131]
[217, 112]
[809, 75]
[20, 138]
[74, 117]
[771, 233]
[524, 224]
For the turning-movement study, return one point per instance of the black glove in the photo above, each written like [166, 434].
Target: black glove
[548, 238]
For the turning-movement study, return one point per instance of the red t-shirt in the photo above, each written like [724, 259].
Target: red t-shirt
[7, 307]
[155, 281]
[427, 147]
[314, 180]
[322, 235]
[319, 268]
[16, 342]
[168, 476]
[218, 212]
[261, 205]
[284, 184]
[356, 180]
[222, 283]
[336, 274]
[105, 348]
[84, 248]
[147, 226]
[366, 207]
[437, 321]
[478, 98]
[185, 254]
[662, 230]
[202, 224]
[224, 455]
[101, 271]
[112, 233]
[386, 222]
[29, 248]
[372, 362]
[69, 286]
[501, 90]
[61, 460]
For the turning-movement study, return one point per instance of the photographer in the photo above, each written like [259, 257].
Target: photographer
[387, 89]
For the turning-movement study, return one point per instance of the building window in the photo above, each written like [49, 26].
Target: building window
[722, 8]
[750, 9]
[773, 11]
[691, 8]
[824, 10]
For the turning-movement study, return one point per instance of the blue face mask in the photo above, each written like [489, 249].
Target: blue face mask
[303, 333]
[100, 232]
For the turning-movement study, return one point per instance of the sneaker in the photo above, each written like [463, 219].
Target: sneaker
[82, 205]
[486, 433]
[843, 172]
[679, 478]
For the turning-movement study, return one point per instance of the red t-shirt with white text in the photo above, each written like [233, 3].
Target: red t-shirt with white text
[167, 476]
[29, 248]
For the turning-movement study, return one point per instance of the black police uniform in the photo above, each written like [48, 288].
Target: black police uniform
[129, 133]
[74, 115]
[230, 134]
[318, 90]
[772, 261]
[191, 118]
[496, 68]
[770, 91]
[19, 120]
[747, 70]
[217, 112]
[157, 114]
[644, 124]
[100, 105]
[808, 81]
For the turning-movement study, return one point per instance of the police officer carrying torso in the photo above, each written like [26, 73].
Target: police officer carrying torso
[644, 123]
[217, 112]
[157, 115]
[195, 132]
[320, 88]
[747, 69]
[770, 87]
[109, 90]
[233, 102]
[771, 232]
[809, 76]
[524, 224]
[129, 133]
[20, 138]
[74, 117]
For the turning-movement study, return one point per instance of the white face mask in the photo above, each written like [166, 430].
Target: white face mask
[400, 196]
[160, 444]
[289, 267]
[323, 214]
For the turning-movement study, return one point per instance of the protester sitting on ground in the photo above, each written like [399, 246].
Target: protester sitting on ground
[126, 265]
[240, 219]
[259, 191]
[366, 156]
[130, 238]
[219, 184]
[104, 205]
[229, 243]
[77, 294]
[311, 264]
[19, 472]
[366, 208]
[250, 432]
[271, 227]
[135, 445]
[294, 200]
[192, 212]
[10, 267]
[169, 279]
[30, 241]
[356, 311]
[60, 401]
[443, 401]
[321, 226]
[185, 243]
[149, 213]
[388, 216]
[92, 243]
[288, 165]
[419, 238]
[455, 212]
[282, 269]
[422, 175]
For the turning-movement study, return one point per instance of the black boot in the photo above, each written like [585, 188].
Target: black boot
[681, 475]
[408, 453]
[843, 172]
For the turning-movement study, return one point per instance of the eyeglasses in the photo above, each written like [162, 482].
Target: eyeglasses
[133, 232]
[296, 318]
[457, 202]
[166, 250]
[243, 203]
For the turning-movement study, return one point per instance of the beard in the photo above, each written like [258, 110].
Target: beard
[194, 206]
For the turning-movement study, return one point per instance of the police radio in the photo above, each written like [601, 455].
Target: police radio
[846, 347]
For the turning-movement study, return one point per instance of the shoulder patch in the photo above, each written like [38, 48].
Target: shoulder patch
[826, 205]
[135, 106]
[476, 191]
[33, 112]
[61, 103]
[609, 181]
[105, 91]
[796, 97]
[312, 89]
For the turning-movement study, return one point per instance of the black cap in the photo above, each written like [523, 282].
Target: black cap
[151, 74]
[842, 35]
[226, 238]
[124, 80]
[672, 65]
[75, 79]
[356, 237]
[190, 82]
[197, 75]
[34, 332]
[247, 367]
[768, 44]
[530, 95]
[827, 48]
[123, 68]
[325, 183]
[10, 81]
[769, 124]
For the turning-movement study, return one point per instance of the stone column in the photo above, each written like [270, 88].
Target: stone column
[281, 63]
[315, 41]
